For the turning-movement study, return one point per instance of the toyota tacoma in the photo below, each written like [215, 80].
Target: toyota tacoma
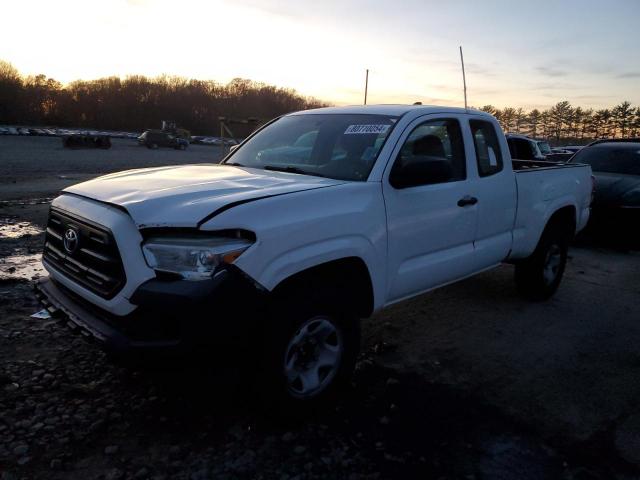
[318, 219]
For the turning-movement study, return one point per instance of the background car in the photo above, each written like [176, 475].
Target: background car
[616, 203]
[544, 147]
[158, 138]
[522, 147]
[572, 148]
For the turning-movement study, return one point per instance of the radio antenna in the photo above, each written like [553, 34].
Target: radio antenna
[366, 86]
[464, 79]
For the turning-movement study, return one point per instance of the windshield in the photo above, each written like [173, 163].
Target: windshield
[544, 148]
[340, 146]
[620, 158]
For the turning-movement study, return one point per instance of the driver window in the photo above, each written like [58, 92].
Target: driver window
[432, 153]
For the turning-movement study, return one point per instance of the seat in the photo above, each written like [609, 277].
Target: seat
[429, 145]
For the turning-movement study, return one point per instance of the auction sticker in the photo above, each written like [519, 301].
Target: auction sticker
[366, 129]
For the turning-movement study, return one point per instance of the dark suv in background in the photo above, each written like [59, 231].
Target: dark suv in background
[158, 138]
[615, 210]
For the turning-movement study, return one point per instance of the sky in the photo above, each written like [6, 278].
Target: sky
[518, 53]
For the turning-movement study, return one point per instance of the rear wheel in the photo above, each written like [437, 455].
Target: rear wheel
[539, 276]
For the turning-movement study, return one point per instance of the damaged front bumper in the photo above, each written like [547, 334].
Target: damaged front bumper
[175, 317]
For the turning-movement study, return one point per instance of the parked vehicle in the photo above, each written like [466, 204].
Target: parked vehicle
[544, 147]
[86, 141]
[157, 138]
[522, 147]
[573, 148]
[616, 168]
[275, 258]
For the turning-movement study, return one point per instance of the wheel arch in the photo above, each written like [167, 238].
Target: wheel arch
[565, 218]
[349, 276]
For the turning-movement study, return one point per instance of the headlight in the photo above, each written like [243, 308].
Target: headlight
[194, 258]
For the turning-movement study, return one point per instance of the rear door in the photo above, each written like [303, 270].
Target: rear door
[431, 224]
[495, 188]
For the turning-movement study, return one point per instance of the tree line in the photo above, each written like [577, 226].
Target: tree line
[566, 123]
[136, 102]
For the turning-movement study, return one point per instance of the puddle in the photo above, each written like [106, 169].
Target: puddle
[21, 267]
[17, 229]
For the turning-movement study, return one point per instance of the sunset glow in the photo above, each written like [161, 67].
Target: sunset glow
[520, 55]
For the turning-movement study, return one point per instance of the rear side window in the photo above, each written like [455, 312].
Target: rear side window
[485, 141]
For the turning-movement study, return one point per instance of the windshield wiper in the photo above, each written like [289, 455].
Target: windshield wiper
[233, 164]
[290, 169]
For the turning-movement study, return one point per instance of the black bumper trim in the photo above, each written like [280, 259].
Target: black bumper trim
[88, 323]
[174, 317]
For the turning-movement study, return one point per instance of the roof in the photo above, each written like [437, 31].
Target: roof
[614, 140]
[392, 110]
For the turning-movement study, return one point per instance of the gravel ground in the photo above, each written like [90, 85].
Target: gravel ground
[467, 382]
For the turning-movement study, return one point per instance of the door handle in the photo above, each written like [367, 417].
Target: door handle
[467, 200]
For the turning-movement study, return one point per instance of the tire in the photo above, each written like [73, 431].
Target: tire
[539, 276]
[309, 352]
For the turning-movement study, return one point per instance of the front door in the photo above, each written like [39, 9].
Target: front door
[431, 213]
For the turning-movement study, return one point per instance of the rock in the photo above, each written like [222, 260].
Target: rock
[392, 381]
[237, 432]
[385, 421]
[202, 474]
[142, 473]
[20, 450]
[55, 464]
[51, 420]
[299, 450]
[114, 474]
[288, 437]
[24, 460]
[627, 439]
[111, 450]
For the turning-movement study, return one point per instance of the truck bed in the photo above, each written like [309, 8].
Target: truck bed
[536, 165]
[547, 187]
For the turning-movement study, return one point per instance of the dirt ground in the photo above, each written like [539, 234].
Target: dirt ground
[466, 382]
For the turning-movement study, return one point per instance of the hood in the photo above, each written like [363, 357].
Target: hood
[182, 196]
[613, 188]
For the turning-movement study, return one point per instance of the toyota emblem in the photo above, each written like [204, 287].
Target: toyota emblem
[70, 240]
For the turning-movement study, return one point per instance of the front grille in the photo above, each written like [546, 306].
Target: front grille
[92, 260]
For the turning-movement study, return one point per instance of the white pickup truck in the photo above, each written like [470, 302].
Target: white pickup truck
[318, 219]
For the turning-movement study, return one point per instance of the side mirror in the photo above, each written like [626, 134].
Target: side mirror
[420, 170]
[233, 147]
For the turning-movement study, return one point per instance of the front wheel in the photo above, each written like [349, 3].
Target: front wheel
[309, 355]
[539, 276]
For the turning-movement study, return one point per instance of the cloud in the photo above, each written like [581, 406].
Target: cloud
[552, 71]
[629, 75]
[556, 86]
